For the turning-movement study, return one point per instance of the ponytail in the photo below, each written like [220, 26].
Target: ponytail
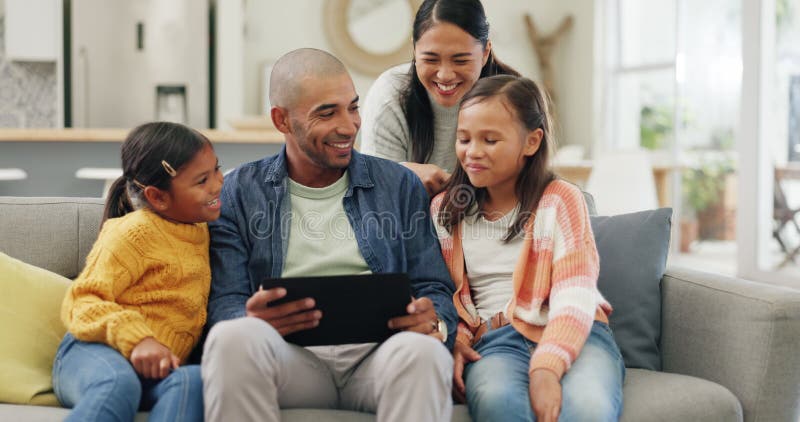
[418, 113]
[494, 67]
[117, 203]
[150, 155]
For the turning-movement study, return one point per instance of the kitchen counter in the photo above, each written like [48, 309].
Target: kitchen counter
[266, 136]
[56, 161]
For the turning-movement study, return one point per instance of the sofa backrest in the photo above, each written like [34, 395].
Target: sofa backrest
[58, 233]
[51, 233]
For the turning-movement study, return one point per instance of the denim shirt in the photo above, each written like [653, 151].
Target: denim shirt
[387, 207]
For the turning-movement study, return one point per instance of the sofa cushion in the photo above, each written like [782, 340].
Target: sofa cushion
[661, 397]
[15, 412]
[633, 252]
[30, 331]
[10, 412]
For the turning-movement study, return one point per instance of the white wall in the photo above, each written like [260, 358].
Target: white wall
[229, 88]
[274, 27]
[573, 59]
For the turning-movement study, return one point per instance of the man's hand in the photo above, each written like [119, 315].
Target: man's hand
[432, 176]
[545, 392]
[462, 354]
[152, 359]
[288, 317]
[421, 318]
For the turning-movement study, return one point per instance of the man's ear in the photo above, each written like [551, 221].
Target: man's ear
[158, 199]
[280, 118]
[532, 142]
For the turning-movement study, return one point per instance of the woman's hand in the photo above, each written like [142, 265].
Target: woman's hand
[432, 176]
[462, 354]
[545, 392]
[152, 359]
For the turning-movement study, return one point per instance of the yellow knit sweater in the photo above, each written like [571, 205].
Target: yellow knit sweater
[145, 276]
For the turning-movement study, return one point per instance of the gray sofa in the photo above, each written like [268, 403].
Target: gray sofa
[728, 345]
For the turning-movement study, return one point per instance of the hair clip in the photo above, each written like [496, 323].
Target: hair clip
[139, 184]
[168, 168]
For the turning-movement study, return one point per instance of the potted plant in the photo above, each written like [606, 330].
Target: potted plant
[655, 126]
[704, 191]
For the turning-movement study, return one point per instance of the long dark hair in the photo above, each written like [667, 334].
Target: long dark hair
[530, 107]
[467, 15]
[143, 151]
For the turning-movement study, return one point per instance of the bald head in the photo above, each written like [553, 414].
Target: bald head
[289, 72]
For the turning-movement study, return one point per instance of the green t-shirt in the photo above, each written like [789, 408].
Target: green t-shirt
[321, 240]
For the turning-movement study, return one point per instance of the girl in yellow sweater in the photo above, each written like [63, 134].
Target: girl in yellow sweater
[138, 308]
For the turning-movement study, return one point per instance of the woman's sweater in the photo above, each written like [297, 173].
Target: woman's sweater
[555, 298]
[384, 129]
[145, 277]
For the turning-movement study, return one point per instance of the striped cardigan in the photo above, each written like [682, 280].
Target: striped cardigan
[555, 297]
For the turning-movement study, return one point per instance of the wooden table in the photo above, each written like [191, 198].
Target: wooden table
[788, 171]
[579, 171]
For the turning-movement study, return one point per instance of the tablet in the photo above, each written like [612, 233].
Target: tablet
[355, 308]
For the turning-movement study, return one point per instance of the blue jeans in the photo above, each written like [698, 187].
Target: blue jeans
[497, 384]
[99, 384]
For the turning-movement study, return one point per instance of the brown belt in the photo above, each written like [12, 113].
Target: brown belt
[497, 320]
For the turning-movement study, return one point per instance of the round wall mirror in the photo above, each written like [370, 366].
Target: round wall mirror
[370, 35]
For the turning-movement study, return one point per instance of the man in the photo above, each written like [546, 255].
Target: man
[321, 208]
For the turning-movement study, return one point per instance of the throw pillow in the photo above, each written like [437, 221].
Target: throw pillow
[633, 252]
[30, 331]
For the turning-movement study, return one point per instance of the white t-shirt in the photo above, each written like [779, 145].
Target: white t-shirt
[490, 262]
[321, 240]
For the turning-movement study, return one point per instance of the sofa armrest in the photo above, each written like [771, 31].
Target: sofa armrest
[737, 333]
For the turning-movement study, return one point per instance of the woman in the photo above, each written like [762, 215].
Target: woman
[411, 111]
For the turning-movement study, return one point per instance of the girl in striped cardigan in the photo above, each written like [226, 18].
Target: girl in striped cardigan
[533, 340]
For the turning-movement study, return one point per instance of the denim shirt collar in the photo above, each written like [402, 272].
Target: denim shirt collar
[359, 173]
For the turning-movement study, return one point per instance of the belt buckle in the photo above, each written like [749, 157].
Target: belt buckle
[499, 320]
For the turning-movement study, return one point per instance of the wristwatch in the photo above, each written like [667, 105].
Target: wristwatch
[441, 327]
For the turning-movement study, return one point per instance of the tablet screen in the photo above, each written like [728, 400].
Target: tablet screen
[355, 308]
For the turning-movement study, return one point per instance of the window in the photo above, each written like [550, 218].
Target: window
[641, 79]
[673, 87]
[774, 170]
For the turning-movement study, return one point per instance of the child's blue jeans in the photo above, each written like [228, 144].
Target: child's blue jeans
[99, 384]
[497, 384]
